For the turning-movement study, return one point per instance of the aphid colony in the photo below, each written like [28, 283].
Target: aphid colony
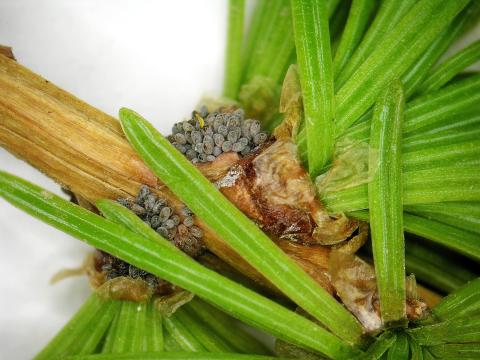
[114, 268]
[201, 139]
[207, 135]
[156, 213]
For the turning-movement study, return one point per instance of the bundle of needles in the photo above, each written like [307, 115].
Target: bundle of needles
[340, 167]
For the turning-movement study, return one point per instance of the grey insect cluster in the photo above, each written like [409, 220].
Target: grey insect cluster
[207, 135]
[114, 267]
[156, 213]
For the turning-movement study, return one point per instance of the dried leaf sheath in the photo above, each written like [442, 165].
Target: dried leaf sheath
[7, 51]
[94, 160]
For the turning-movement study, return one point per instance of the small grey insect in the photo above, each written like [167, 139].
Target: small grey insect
[243, 141]
[227, 146]
[217, 123]
[238, 146]
[123, 202]
[223, 129]
[159, 204]
[163, 231]
[260, 138]
[134, 272]
[255, 127]
[186, 211]
[138, 210]
[188, 136]
[150, 201]
[234, 134]
[246, 150]
[155, 221]
[180, 138]
[246, 128]
[217, 150]
[198, 148]
[187, 126]
[175, 219]
[172, 232]
[196, 231]
[169, 224]
[233, 121]
[183, 230]
[208, 147]
[165, 214]
[176, 129]
[112, 275]
[151, 280]
[190, 154]
[208, 139]
[181, 148]
[197, 137]
[218, 139]
[203, 111]
[210, 118]
[188, 221]
[106, 267]
[142, 193]
[240, 112]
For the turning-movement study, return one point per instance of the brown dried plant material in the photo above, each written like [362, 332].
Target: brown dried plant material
[217, 169]
[96, 277]
[7, 51]
[428, 296]
[416, 306]
[356, 242]
[313, 260]
[89, 267]
[77, 145]
[125, 288]
[273, 189]
[355, 282]
[168, 304]
[121, 287]
[356, 286]
[290, 105]
[71, 272]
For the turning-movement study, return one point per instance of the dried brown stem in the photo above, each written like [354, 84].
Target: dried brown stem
[80, 147]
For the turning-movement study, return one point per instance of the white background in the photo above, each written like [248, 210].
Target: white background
[157, 57]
